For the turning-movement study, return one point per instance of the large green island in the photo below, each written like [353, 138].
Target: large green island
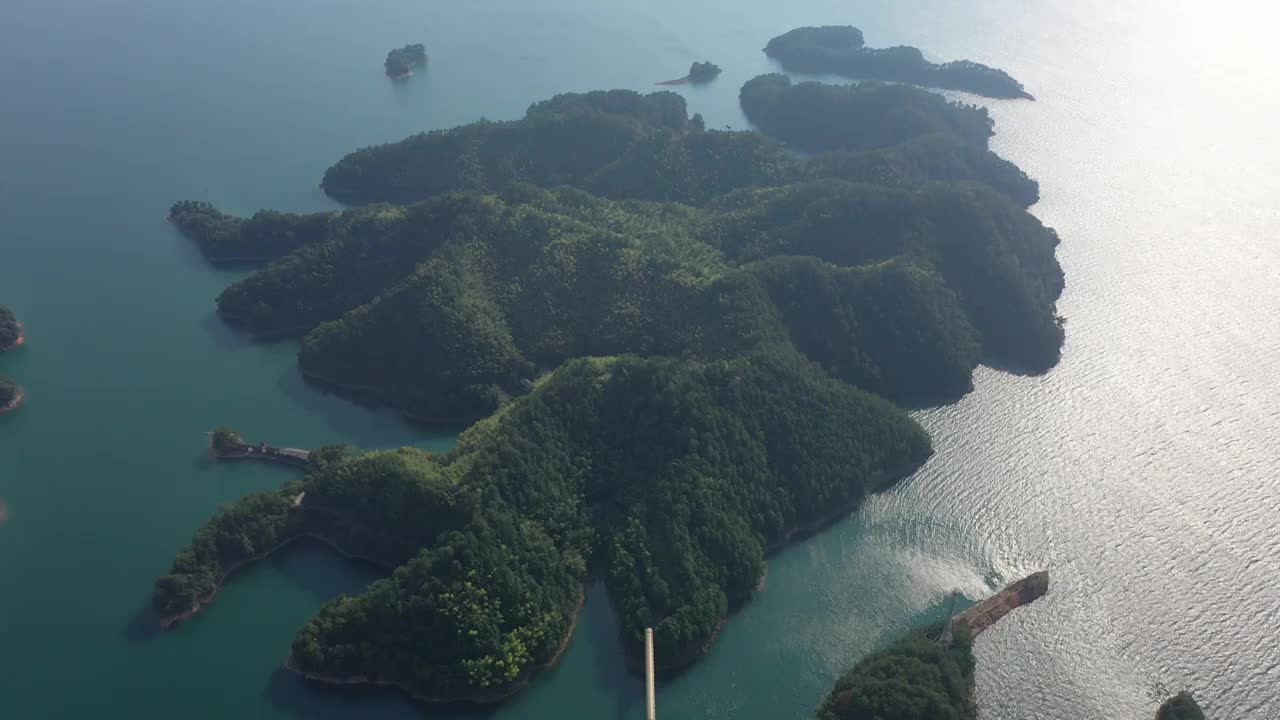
[680, 349]
[841, 50]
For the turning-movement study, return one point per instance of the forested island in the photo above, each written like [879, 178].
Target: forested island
[699, 72]
[401, 62]
[676, 342]
[224, 440]
[10, 330]
[703, 72]
[10, 394]
[841, 50]
[1180, 707]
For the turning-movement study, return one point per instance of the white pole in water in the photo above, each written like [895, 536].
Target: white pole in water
[649, 695]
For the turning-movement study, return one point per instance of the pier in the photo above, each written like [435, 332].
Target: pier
[293, 457]
[651, 712]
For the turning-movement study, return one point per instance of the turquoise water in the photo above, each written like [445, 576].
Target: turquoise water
[1140, 470]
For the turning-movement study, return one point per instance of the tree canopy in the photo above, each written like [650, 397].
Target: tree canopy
[841, 50]
[669, 338]
[817, 117]
[703, 71]
[225, 438]
[913, 679]
[622, 145]
[402, 61]
[670, 479]
[227, 240]
[449, 307]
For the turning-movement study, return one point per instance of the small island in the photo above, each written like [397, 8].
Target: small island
[10, 330]
[1180, 707]
[227, 444]
[699, 72]
[10, 394]
[841, 50]
[400, 63]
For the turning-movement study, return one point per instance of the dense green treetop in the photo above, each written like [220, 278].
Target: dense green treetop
[267, 235]
[10, 329]
[449, 307]
[936, 157]
[913, 679]
[402, 61]
[620, 144]
[9, 390]
[817, 116]
[668, 479]
[1180, 707]
[225, 438]
[841, 50]
[703, 71]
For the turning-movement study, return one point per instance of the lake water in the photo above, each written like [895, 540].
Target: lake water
[1141, 471]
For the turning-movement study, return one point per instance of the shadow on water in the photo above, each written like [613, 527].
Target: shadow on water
[317, 568]
[599, 627]
[188, 254]
[361, 427]
[367, 429]
[308, 564]
[226, 337]
[1020, 369]
[143, 626]
[300, 698]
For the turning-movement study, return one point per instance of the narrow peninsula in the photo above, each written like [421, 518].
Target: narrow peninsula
[699, 72]
[680, 349]
[227, 444]
[928, 675]
[401, 62]
[841, 50]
